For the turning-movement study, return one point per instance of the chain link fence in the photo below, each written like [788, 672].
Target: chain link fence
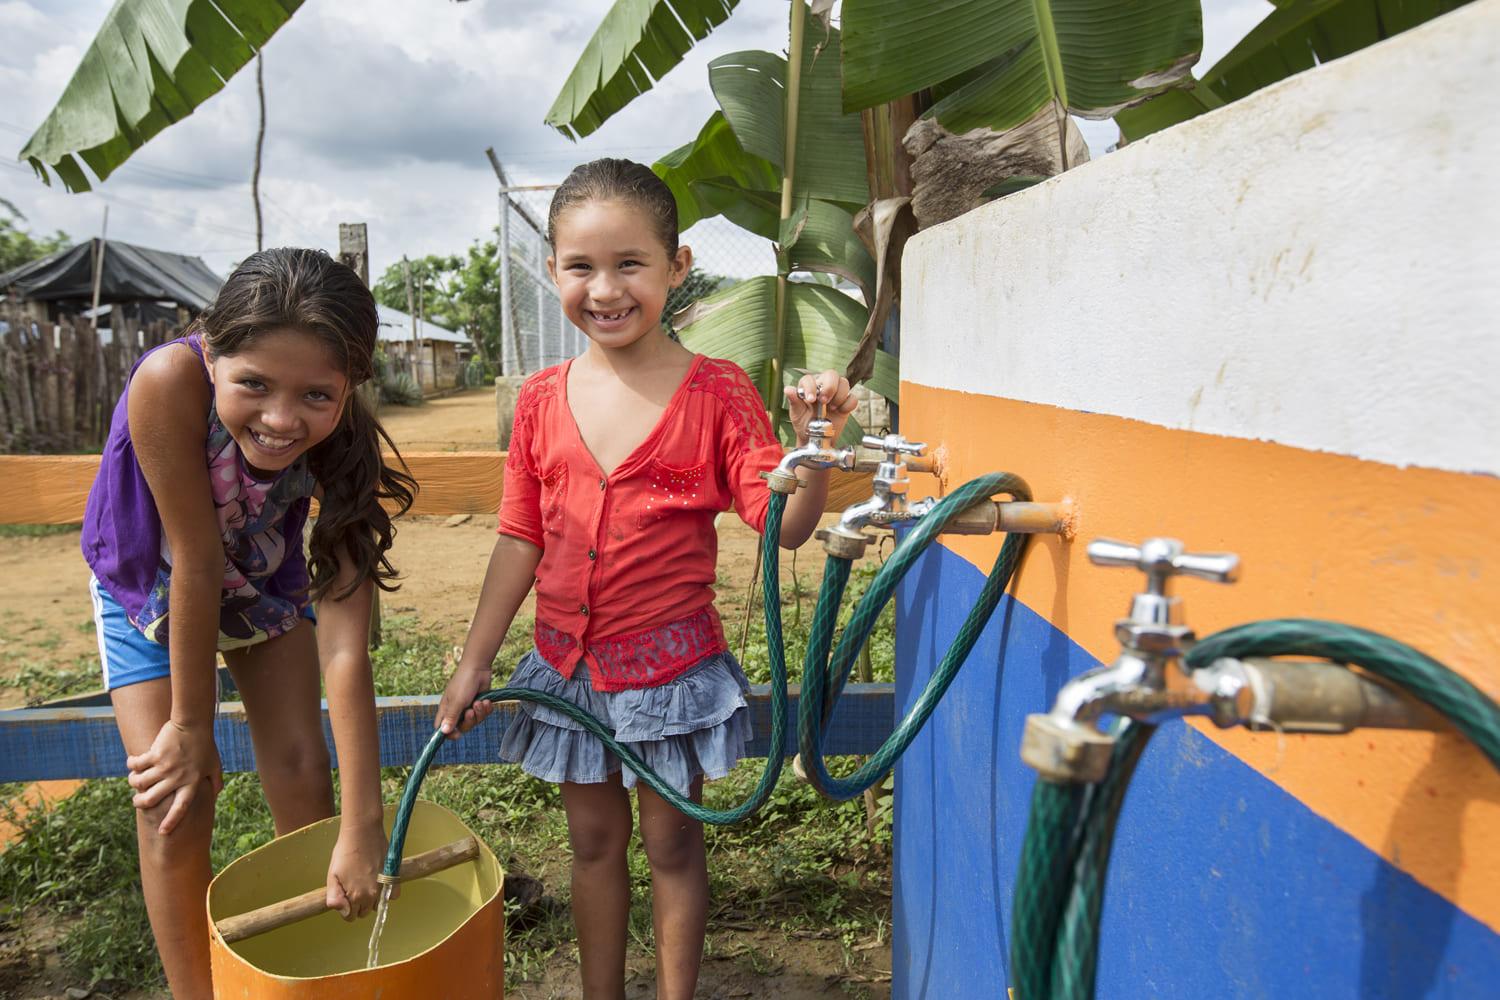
[534, 331]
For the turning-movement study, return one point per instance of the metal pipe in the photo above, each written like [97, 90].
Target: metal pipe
[1013, 517]
[1315, 696]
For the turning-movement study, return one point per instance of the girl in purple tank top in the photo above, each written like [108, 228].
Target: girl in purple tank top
[194, 531]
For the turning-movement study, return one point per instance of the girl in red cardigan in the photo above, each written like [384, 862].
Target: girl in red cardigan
[619, 461]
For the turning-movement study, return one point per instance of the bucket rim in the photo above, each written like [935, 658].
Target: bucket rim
[421, 806]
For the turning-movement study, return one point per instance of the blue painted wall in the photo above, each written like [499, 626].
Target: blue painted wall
[1221, 884]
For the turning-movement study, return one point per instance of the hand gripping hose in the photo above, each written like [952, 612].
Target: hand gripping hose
[770, 559]
[823, 679]
[1065, 856]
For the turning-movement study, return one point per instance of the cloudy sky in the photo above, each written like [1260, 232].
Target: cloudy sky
[378, 111]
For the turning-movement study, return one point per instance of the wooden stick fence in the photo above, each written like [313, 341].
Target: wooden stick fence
[59, 381]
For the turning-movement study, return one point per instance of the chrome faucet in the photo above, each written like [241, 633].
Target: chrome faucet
[1150, 682]
[1066, 743]
[816, 454]
[887, 504]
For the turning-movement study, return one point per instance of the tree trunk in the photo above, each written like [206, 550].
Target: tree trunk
[260, 140]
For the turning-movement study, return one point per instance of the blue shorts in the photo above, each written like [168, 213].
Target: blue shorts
[125, 655]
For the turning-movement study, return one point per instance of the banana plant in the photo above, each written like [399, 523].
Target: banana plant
[781, 159]
[151, 64]
[995, 64]
[1297, 35]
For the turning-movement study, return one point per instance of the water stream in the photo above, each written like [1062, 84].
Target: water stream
[381, 912]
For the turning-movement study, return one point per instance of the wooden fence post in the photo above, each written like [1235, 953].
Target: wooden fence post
[354, 250]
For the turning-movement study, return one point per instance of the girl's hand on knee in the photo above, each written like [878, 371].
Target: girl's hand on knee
[459, 712]
[829, 388]
[181, 758]
[353, 889]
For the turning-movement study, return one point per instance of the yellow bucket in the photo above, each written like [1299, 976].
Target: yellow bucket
[444, 935]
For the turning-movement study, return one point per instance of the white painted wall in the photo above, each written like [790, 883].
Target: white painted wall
[1317, 265]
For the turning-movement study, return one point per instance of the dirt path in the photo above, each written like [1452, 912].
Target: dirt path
[46, 618]
[464, 421]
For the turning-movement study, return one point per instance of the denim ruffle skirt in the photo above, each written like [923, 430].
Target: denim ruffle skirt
[695, 725]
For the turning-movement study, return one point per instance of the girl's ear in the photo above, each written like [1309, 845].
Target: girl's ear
[682, 263]
[552, 269]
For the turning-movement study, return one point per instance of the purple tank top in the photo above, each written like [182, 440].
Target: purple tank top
[265, 589]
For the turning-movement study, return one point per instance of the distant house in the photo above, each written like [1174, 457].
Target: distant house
[144, 284]
[435, 356]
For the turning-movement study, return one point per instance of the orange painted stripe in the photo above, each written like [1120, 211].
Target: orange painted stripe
[1412, 553]
[28, 801]
[52, 489]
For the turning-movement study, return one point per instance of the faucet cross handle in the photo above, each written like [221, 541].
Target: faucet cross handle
[1155, 627]
[893, 445]
[1163, 558]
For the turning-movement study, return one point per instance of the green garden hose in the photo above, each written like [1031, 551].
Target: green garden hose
[771, 560]
[1065, 856]
[823, 679]
[826, 676]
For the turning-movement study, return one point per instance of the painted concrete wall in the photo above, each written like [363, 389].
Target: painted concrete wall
[1272, 330]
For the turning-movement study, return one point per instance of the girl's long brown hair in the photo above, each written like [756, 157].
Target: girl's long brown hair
[307, 290]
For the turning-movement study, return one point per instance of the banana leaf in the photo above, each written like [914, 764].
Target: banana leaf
[1298, 35]
[152, 63]
[1091, 58]
[635, 45]
[830, 157]
[823, 331]
[714, 154]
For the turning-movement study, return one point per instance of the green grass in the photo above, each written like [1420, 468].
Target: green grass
[802, 865]
[43, 679]
[37, 530]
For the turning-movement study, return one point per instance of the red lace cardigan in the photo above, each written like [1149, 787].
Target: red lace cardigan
[628, 560]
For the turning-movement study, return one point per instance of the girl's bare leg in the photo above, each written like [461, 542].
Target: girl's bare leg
[679, 891]
[599, 830]
[174, 868]
[278, 682]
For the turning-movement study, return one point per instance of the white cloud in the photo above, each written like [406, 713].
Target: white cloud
[378, 111]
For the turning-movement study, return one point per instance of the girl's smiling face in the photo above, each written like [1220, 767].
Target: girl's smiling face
[613, 272]
[278, 397]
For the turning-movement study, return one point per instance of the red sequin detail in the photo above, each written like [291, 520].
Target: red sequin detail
[647, 658]
[672, 489]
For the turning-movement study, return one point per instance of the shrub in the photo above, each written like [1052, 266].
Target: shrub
[400, 389]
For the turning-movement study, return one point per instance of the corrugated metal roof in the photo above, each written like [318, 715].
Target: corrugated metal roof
[396, 325]
[131, 273]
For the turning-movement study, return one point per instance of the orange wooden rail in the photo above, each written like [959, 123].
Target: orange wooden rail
[51, 489]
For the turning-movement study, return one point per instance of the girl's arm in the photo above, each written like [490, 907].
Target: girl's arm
[507, 581]
[168, 414]
[805, 507]
[343, 653]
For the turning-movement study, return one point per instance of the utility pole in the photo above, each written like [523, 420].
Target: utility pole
[354, 250]
[411, 312]
[99, 278]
